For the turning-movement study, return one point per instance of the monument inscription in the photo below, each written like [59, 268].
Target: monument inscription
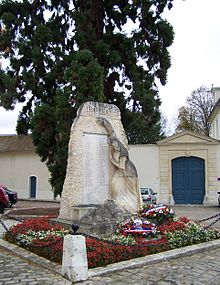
[96, 169]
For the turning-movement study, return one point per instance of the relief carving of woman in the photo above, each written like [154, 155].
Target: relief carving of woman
[124, 186]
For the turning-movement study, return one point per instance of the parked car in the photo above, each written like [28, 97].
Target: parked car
[148, 195]
[12, 195]
[219, 199]
[4, 200]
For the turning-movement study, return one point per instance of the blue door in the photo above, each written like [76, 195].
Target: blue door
[188, 180]
[33, 186]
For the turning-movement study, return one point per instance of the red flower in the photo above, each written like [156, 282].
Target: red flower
[99, 253]
[171, 227]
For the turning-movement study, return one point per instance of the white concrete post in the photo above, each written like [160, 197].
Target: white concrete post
[75, 263]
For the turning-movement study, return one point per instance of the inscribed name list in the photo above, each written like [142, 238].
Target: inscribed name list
[96, 169]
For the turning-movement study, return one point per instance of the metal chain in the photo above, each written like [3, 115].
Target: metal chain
[203, 229]
[209, 218]
[12, 218]
[4, 226]
[214, 222]
[23, 242]
[152, 244]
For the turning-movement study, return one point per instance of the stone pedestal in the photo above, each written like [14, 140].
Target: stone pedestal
[94, 220]
[74, 263]
[77, 212]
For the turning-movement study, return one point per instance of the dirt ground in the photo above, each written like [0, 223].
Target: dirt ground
[34, 208]
[36, 203]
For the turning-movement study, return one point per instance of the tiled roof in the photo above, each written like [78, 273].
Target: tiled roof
[16, 143]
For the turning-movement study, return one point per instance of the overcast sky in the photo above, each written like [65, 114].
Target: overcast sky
[195, 56]
[195, 53]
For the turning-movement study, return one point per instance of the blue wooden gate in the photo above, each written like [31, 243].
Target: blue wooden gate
[188, 180]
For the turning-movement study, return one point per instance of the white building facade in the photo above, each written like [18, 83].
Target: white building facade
[21, 169]
[182, 169]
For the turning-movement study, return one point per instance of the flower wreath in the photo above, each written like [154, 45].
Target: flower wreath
[138, 227]
[158, 212]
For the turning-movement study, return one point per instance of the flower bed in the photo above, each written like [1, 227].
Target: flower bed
[134, 238]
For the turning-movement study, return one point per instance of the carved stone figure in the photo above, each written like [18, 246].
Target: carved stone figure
[124, 182]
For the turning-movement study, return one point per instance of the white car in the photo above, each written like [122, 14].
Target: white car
[148, 195]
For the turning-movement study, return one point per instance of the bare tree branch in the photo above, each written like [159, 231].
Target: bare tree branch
[194, 115]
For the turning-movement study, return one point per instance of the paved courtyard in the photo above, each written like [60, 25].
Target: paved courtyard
[196, 269]
[15, 270]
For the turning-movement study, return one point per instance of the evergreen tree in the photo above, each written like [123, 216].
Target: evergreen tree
[65, 52]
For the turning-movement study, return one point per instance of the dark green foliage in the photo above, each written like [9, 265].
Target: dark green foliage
[87, 75]
[7, 90]
[50, 126]
[63, 53]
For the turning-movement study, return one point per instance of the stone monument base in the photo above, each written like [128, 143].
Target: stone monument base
[95, 229]
[94, 219]
[80, 211]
